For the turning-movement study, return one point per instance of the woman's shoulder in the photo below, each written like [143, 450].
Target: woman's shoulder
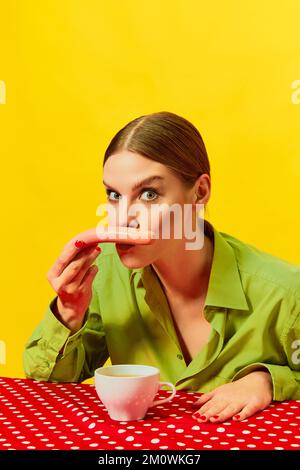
[262, 265]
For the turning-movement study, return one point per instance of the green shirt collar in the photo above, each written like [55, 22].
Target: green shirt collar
[225, 288]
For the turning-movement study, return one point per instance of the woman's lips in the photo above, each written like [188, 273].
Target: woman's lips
[124, 246]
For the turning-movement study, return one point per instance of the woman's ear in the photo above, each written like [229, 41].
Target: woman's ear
[202, 189]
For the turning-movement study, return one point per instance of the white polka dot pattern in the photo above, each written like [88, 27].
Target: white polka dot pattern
[48, 416]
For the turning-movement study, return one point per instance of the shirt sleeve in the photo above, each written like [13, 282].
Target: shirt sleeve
[82, 352]
[285, 377]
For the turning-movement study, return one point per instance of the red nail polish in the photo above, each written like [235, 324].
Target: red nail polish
[216, 417]
[202, 417]
[98, 249]
[79, 244]
[237, 416]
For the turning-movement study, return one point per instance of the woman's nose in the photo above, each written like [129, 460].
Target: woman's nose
[133, 223]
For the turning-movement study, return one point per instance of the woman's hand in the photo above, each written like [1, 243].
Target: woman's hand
[71, 276]
[237, 400]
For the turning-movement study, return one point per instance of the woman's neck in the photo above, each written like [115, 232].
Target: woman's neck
[184, 274]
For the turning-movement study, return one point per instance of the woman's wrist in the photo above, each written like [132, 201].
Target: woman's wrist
[67, 316]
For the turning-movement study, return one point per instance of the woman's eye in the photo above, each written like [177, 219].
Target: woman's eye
[110, 195]
[152, 195]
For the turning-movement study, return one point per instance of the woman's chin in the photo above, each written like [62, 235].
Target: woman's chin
[132, 256]
[131, 261]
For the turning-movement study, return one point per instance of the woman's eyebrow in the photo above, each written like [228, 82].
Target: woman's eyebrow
[139, 184]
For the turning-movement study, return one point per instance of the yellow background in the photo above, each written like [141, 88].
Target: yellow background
[77, 71]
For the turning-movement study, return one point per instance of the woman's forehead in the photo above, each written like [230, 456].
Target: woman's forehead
[132, 168]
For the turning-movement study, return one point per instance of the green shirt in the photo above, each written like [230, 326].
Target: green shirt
[252, 303]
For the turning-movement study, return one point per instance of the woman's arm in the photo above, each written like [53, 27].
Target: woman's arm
[254, 387]
[285, 377]
[52, 354]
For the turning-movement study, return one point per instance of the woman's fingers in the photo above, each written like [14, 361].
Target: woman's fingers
[247, 411]
[69, 252]
[89, 276]
[227, 412]
[203, 399]
[112, 234]
[211, 407]
[94, 236]
[217, 410]
[77, 268]
[78, 279]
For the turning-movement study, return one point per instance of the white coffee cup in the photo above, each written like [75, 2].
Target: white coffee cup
[127, 391]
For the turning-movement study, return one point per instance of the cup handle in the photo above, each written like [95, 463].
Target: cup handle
[170, 397]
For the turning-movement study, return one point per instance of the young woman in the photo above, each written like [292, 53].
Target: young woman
[223, 319]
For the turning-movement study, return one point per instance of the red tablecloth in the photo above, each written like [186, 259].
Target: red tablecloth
[45, 416]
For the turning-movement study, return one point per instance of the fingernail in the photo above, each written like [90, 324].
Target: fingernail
[98, 249]
[202, 417]
[79, 244]
[237, 416]
[215, 417]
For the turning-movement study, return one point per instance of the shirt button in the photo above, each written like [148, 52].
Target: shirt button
[179, 356]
